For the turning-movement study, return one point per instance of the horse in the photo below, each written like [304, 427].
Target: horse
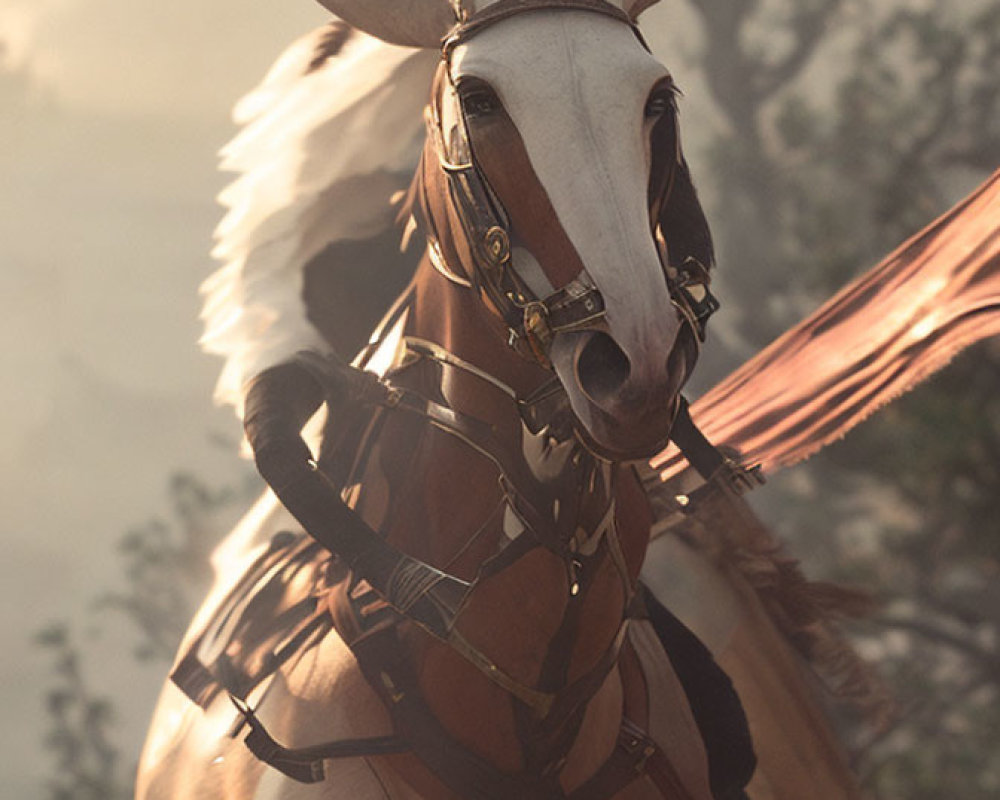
[448, 603]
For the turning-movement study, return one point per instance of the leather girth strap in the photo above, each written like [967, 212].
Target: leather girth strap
[635, 754]
[305, 764]
[471, 777]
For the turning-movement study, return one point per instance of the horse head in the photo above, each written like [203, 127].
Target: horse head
[553, 183]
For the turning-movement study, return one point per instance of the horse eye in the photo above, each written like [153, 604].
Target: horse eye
[659, 104]
[479, 103]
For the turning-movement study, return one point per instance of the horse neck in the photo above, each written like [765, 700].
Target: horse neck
[456, 318]
[452, 475]
[440, 500]
[576, 499]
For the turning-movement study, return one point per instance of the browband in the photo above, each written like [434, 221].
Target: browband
[470, 24]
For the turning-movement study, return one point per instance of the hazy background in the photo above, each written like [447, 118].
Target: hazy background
[111, 113]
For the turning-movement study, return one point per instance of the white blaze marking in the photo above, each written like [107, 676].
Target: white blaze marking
[575, 84]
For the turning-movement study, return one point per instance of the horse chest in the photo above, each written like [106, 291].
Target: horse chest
[531, 520]
[469, 491]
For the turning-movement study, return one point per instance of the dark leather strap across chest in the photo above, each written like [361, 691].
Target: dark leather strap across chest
[279, 402]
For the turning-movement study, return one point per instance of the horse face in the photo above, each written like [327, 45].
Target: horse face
[561, 110]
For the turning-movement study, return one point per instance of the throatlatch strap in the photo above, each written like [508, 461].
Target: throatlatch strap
[697, 449]
[706, 458]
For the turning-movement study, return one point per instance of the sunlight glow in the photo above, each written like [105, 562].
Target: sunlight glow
[925, 327]
[17, 33]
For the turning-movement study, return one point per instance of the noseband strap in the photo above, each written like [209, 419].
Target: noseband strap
[532, 321]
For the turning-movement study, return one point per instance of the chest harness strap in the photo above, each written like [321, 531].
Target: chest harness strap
[465, 773]
[278, 403]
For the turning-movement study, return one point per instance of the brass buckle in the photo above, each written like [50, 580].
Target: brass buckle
[740, 478]
[636, 743]
[537, 332]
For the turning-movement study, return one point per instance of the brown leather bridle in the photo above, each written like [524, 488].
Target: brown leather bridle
[578, 305]
[532, 321]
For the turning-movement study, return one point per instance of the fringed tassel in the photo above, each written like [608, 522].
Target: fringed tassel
[721, 525]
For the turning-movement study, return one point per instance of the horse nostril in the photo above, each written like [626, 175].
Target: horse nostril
[602, 368]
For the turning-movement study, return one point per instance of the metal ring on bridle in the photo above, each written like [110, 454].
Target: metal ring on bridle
[497, 244]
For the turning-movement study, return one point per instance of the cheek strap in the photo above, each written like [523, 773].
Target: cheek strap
[532, 322]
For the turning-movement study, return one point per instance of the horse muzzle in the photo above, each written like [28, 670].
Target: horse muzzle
[625, 408]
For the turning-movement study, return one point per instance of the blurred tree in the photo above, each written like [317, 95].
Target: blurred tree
[167, 574]
[87, 764]
[847, 126]
[166, 565]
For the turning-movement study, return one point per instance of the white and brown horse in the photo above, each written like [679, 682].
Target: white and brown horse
[480, 631]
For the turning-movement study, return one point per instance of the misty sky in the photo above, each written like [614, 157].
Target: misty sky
[110, 116]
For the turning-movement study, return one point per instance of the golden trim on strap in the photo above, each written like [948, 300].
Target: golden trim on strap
[436, 351]
[539, 702]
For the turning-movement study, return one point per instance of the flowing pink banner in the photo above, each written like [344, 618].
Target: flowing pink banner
[875, 339]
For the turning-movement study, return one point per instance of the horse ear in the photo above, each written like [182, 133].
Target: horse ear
[635, 7]
[411, 23]
[683, 224]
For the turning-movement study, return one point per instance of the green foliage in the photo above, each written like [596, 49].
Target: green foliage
[831, 156]
[166, 565]
[851, 124]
